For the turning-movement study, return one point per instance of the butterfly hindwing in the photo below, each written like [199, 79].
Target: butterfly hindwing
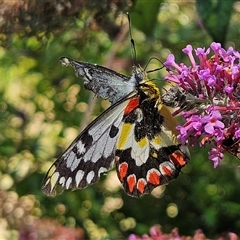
[148, 153]
[90, 154]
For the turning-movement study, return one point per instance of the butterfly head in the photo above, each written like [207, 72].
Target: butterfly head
[139, 74]
[143, 84]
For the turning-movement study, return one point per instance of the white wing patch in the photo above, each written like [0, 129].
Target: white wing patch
[90, 176]
[81, 148]
[79, 176]
[140, 154]
[68, 182]
[101, 170]
[62, 180]
[70, 161]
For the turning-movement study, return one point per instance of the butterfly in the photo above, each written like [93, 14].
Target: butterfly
[137, 133]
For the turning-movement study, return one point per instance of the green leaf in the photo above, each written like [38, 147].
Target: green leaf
[144, 15]
[215, 16]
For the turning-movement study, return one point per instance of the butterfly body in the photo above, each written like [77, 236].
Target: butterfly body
[137, 133]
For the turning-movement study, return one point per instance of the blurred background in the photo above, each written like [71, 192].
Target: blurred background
[43, 105]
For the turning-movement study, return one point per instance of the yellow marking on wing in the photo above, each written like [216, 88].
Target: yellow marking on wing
[47, 182]
[54, 179]
[143, 142]
[51, 170]
[157, 140]
[155, 155]
[169, 123]
[124, 135]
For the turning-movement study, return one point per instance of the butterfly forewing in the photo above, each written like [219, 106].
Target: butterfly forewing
[102, 81]
[90, 154]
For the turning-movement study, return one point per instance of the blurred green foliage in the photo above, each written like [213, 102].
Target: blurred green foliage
[215, 16]
[42, 106]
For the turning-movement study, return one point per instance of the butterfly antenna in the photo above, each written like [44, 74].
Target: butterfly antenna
[134, 54]
[156, 69]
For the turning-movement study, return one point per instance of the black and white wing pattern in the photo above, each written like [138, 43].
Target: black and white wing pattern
[89, 155]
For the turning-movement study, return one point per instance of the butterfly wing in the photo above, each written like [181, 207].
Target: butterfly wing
[148, 153]
[89, 155]
[102, 81]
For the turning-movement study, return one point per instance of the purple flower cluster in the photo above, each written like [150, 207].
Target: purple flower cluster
[213, 115]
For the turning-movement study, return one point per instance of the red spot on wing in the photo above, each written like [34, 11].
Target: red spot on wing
[141, 185]
[153, 176]
[178, 158]
[131, 180]
[133, 103]
[122, 170]
[166, 170]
